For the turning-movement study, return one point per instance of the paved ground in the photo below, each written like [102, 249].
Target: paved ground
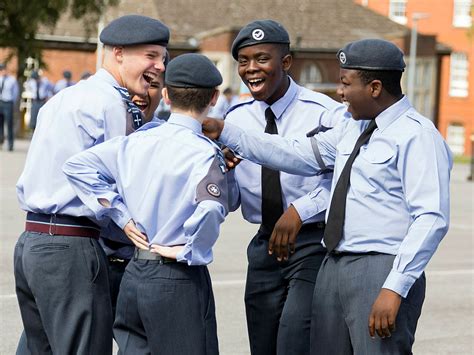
[446, 325]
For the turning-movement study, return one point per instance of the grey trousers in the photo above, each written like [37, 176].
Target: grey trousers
[346, 288]
[63, 293]
[279, 295]
[165, 309]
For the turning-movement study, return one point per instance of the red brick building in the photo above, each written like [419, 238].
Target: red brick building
[317, 28]
[451, 22]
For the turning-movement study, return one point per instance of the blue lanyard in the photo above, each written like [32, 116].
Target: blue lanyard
[131, 107]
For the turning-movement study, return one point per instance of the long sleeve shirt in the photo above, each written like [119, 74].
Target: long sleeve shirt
[298, 112]
[398, 199]
[170, 179]
[73, 120]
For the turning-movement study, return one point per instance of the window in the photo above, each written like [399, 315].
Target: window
[458, 74]
[462, 13]
[397, 11]
[310, 75]
[455, 138]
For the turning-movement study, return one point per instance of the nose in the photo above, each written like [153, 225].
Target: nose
[252, 66]
[340, 91]
[159, 64]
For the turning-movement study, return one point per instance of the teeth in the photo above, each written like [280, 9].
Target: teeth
[255, 81]
[346, 103]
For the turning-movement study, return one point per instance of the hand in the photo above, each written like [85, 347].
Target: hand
[212, 127]
[133, 233]
[284, 234]
[167, 252]
[384, 312]
[230, 159]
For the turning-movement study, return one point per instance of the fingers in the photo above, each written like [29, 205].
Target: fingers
[278, 245]
[139, 239]
[372, 325]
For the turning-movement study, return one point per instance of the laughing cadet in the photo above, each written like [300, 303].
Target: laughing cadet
[60, 268]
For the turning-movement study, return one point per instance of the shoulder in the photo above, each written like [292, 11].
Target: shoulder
[241, 105]
[316, 98]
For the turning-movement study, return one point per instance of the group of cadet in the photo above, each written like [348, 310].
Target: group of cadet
[351, 200]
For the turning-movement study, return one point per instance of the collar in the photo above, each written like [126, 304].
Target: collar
[107, 77]
[390, 114]
[186, 121]
[280, 106]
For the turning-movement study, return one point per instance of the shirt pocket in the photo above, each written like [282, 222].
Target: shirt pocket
[372, 168]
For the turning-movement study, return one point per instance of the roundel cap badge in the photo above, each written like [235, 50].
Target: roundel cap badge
[258, 34]
[342, 57]
[214, 190]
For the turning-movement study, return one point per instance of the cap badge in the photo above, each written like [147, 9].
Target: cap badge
[258, 34]
[214, 190]
[342, 58]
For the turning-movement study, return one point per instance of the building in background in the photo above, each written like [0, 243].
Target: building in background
[451, 22]
[318, 29]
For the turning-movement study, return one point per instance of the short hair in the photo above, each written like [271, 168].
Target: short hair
[192, 99]
[390, 79]
[284, 48]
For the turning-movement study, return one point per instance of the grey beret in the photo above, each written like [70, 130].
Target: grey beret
[257, 32]
[135, 29]
[371, 54]
[192, 70]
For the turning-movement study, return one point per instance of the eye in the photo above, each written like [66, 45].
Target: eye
[263, 59]
[155, 85]
[242, 61]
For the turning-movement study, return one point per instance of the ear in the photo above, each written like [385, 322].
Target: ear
[286, 62]
[118, 54]
[214, 98]
[165, 97]
[376, 88]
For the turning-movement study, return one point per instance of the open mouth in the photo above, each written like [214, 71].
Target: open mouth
[148, 77]
[141, 104]
[255, 84]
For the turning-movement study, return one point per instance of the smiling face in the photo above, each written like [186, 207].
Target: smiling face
[263, 68]
[149, 103]
[139, 66]
[356, 95]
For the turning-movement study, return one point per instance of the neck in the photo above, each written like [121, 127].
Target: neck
[196, 115]
[384, 103]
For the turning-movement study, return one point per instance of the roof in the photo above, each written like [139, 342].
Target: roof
[312, 24]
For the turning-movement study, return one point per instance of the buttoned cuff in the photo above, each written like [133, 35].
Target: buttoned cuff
[305, 207]
[399, 283]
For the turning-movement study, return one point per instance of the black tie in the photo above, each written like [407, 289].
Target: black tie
[337, 211]
[37, 89]
[272, 203]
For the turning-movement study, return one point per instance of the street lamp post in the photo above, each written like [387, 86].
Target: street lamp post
[413, 45]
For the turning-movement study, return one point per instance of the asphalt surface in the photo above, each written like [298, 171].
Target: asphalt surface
[446, 325]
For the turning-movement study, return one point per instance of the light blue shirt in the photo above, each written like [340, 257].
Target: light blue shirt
[10, 88]
[75, 119]
[398, 200]
[170, 179]
[62, 84]
[298, 112]
[45, 88]
[222, 106]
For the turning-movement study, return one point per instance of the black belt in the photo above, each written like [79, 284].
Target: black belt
[304, 228]
[57, 224]
[141, 254]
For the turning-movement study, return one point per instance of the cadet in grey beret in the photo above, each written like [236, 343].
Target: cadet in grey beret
[261, 31]
[135, 29]
[192, 71]
[371, 54]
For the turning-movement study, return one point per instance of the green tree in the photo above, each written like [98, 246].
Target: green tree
[21, 19]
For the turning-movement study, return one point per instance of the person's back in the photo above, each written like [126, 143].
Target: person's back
[171, 198]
